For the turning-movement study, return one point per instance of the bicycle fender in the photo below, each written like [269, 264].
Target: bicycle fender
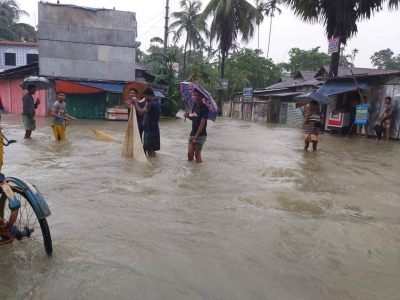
[37, 200]
[13, 202]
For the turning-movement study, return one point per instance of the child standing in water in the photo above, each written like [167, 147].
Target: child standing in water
[313, 121]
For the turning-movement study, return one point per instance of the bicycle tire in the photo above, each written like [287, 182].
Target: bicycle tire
[43, 225]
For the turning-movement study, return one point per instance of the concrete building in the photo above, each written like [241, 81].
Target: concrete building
[83, 43]
[17, 54]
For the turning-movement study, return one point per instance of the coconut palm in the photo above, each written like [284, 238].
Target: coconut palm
[270, 9]
[339, 17]
[188, 22]
[10, 29]
[230, 18]
[261, 8]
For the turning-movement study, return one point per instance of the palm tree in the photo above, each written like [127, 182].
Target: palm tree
[188, 21]
[10, 29]
[270, 9]
[230, 18]
[261, 8]
[166, 72]
[339, 18]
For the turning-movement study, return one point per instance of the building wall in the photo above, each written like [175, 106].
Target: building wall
[20, 51]
[83, 43]
[227, 110]
[260, 111]
[379, 93]
[11, 95]
[248, 111]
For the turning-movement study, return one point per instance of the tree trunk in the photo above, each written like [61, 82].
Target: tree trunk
[190, 54]
[335, 57]
[334, 66]
[220, 93]
[258, 43]
[269, 38]
[184, 59]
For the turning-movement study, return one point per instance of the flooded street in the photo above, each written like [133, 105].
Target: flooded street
[259, 219]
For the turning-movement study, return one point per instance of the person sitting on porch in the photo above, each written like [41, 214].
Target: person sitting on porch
[313, 121]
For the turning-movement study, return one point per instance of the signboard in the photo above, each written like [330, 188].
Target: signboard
[175, 67]
[223, 84]
[247, 93]
[333, 46]
[362, 114]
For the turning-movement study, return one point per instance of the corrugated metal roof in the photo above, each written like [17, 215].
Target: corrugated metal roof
[286, 94]
[345, 85]
[139, 66]
[306, 75]
[346, 72]
[111, 87]
[18, 43]
[105, 86]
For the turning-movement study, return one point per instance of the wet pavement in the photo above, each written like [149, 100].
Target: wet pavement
[259, 219]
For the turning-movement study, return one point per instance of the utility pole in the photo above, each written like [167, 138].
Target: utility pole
[166, 27]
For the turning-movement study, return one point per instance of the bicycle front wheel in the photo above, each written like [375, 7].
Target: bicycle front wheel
[28, 222]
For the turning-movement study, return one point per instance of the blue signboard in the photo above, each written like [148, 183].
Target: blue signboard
[247, 93]
[362, 114]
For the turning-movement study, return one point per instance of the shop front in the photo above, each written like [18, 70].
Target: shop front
[344, 92]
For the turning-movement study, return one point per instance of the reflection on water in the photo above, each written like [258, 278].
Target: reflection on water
[259, 219]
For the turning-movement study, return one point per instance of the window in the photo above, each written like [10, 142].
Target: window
[10, 59]
[31, 58]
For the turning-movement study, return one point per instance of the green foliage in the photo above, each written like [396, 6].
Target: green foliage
[188, 23]
[248, 68]
[340, 18]
[10, 29]
[310, 60]
[385, 59]
[347, 60]
[165, 72]
[204, 71]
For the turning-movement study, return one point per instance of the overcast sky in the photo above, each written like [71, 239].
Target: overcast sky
[381, 32]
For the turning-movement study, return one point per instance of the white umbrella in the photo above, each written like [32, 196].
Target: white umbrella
[40, 83]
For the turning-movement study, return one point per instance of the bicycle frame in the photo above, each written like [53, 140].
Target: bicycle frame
[8, 230]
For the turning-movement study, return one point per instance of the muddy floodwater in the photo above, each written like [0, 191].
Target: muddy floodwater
[259, 219]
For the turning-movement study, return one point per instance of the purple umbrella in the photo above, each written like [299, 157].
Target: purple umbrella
[187, 89]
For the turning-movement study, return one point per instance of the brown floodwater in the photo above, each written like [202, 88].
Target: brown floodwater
[259, 219]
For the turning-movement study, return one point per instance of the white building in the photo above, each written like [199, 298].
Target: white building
[17, 54]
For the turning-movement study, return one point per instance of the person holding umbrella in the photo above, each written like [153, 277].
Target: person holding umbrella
[198, 135]
[203, 108]
[28, 110]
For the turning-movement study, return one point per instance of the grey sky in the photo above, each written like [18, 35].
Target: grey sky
[381, 32]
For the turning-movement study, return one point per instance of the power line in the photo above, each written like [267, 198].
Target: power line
[154, 26]
[151, 19]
